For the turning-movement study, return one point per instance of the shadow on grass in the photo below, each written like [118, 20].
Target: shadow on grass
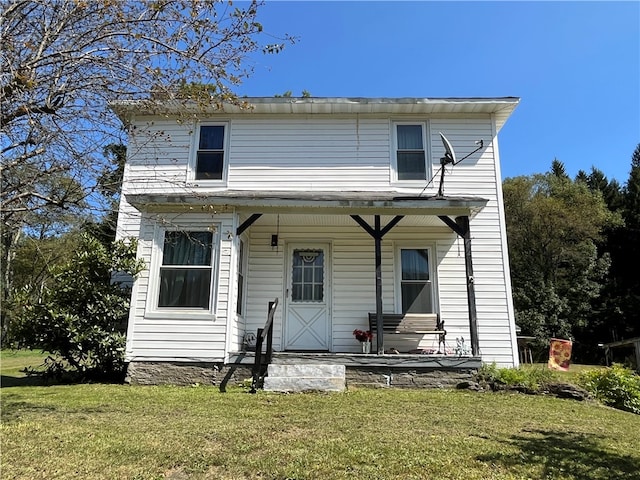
[23, 381]
[566, 455]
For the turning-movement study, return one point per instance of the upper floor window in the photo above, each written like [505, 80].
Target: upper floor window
[186, 270]
[210, 154]
[410, 151]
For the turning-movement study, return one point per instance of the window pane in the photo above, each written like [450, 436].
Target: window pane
[187, 248]
[241, 266]
[415, 264]
[416, 298]
[211, 137]
[307, 292]
[308, 275]
[240, 294]
[209, 165]
[409, 137]
[297, 274]
[296, 292]
[411, 166]
[181, 287]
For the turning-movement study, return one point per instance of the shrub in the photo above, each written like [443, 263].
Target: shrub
[81, 320]
[616, 386]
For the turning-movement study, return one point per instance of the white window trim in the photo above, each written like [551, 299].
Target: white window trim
[397, 267]
[193, 155]
[426, 143]
[151, 304]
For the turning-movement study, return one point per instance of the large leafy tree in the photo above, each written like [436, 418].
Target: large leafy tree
[63, 62]
[627, 259]
[553, 226]
[616, 314]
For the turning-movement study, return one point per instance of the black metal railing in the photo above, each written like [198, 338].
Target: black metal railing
[262, 360]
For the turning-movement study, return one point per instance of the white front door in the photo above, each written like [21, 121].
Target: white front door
[307, 320]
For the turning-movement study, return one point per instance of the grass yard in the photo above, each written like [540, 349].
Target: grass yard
[102, 431]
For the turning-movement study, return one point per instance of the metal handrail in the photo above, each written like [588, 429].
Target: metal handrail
[262, 360]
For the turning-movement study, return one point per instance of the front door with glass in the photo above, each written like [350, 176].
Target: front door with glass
[307, 315]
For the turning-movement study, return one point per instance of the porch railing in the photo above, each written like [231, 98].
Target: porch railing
[262, 360]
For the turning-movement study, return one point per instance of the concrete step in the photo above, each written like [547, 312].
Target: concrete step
[304, 378]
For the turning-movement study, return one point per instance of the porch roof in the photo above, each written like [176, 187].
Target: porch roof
[346, 203]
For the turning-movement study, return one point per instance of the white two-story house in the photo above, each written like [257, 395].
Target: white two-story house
[337, 207]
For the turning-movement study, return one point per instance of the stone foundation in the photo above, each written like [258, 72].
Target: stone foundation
[186, 373]
[408, 377]
[219, 374]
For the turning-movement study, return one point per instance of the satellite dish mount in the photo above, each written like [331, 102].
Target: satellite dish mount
[450, 158]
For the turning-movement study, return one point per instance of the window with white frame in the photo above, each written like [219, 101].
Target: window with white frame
[210, 153]
[410, 152]
[415, 281]
[242, 276]
[186, 270]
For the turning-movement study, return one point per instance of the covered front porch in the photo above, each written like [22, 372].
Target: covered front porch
[335, 270]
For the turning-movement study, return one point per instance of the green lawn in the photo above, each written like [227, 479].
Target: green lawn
[102, 431]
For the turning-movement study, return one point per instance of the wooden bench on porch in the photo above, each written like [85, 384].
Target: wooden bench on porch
[411, 323]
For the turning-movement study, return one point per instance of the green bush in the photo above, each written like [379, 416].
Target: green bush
[81, 320]
[532, 379]
[616, 386]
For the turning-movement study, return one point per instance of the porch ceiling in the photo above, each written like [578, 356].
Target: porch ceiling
[342, 203]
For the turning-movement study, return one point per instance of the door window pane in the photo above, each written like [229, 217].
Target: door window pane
[307, 280]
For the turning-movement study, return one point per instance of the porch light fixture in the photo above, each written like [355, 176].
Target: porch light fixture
[274, 237]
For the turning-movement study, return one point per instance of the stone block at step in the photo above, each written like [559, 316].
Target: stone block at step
[304, 378]
[306, 370]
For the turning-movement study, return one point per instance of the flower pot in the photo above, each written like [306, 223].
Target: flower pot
[366, 347]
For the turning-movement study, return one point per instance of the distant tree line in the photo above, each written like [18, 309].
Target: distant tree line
[574, 247]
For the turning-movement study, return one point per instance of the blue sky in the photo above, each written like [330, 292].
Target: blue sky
[575, 66]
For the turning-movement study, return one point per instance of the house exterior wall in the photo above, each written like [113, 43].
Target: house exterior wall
[304, 153]
[315, 153]
[186, 335]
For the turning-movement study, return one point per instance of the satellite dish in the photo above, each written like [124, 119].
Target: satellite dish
[450, 158]
[449, 154]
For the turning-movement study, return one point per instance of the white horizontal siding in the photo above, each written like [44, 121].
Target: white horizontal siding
[289, 153]
[326, 153]
[158, 335]
[352, 297]
[353, 281]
